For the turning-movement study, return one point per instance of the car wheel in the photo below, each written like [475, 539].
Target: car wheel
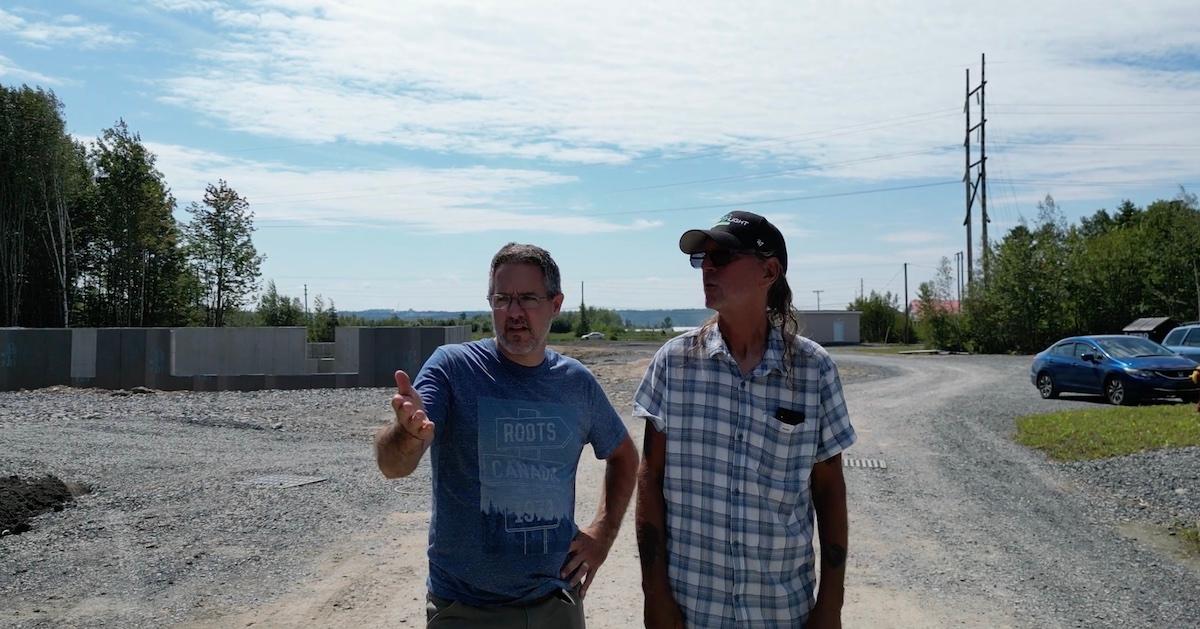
[1116, 393]
[1046, 387]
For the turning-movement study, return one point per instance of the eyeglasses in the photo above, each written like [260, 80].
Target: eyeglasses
[527, 301]
[719, 258]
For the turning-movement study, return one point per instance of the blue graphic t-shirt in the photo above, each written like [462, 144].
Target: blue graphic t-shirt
[506, 445]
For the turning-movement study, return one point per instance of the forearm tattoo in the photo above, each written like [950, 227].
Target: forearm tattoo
[833, 556]
[649, 543]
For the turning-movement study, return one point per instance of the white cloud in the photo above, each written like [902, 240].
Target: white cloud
[600, 83]
[186, 5]
[65, 29]
[10, 69]
[440, 200]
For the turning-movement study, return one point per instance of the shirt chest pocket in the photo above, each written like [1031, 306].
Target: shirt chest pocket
[783, 452]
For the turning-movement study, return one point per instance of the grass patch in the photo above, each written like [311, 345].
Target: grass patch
[1191, 538]
[1082, 434]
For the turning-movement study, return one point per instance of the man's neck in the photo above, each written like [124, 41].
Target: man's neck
[532, 359]
[745, 333]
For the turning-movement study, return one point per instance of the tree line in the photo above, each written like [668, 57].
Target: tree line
[88, 235]
[1050, 279]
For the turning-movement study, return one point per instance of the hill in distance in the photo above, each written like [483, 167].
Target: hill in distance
[639, 318]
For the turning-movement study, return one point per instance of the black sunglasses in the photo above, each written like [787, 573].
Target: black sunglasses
[719, 258]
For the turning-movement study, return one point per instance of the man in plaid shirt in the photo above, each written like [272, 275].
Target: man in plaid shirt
[745, 427]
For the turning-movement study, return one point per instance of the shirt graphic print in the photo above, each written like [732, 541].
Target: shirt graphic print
[528, 452]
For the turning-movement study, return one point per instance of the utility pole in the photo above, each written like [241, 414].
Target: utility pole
[584, 324]
[907, 325]
[978, 183]
[958, 264]
[861, 295]
[818, 292]
[983, 223]
[306, 302]
[1196, 275]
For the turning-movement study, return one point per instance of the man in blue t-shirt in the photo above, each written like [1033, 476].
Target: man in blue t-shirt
[506, 420]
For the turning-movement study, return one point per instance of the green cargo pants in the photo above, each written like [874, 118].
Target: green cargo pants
[560, 610]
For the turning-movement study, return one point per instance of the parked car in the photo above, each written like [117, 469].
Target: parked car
[1185, 340]
[1121, 368]
[593, 336]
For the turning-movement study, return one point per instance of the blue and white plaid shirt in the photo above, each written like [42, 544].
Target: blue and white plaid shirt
[739, 508]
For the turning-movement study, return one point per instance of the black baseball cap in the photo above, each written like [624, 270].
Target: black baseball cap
[739, 230]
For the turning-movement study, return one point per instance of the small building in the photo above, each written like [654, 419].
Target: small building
[831, 327]
[1153, 328]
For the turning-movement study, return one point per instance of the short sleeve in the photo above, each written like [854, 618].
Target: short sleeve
[836, 432]
[433, 385]
[607, 430]
[648, 400]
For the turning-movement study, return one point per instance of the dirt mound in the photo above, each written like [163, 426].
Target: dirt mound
[21, 500]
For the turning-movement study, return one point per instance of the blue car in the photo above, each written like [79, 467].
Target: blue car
[1123, 369]
[1185, 341]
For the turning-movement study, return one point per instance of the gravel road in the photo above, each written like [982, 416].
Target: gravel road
[963, 527]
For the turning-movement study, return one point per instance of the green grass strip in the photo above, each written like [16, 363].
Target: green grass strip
[1082, 434]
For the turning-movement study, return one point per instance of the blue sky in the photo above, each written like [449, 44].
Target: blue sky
[388, 149]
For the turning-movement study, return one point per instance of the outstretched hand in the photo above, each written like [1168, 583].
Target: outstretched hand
[410, 410]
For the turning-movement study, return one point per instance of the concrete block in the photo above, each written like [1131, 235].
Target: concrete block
[458, 334]
[83, 352]
[383, 350]
[241, 382]
[204, 382]
[288, 353]
[345, 353]
[377, 352]
[302, 381]
[243, 351]
[237, 351]
[133, 357]
[193, 352]
[32, 358]
[319, 350]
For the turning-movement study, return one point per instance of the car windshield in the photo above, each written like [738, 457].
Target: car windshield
[1132, 347]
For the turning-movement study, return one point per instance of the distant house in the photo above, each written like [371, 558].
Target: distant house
[1153, 328]
[948, 306]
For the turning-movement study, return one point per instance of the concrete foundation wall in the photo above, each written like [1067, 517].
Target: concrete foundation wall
[83, 353]
[320, 350]
[134, 357]
[213, 359]
[383, 350]
[238, 351]
[345, 353]
[32, 358]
